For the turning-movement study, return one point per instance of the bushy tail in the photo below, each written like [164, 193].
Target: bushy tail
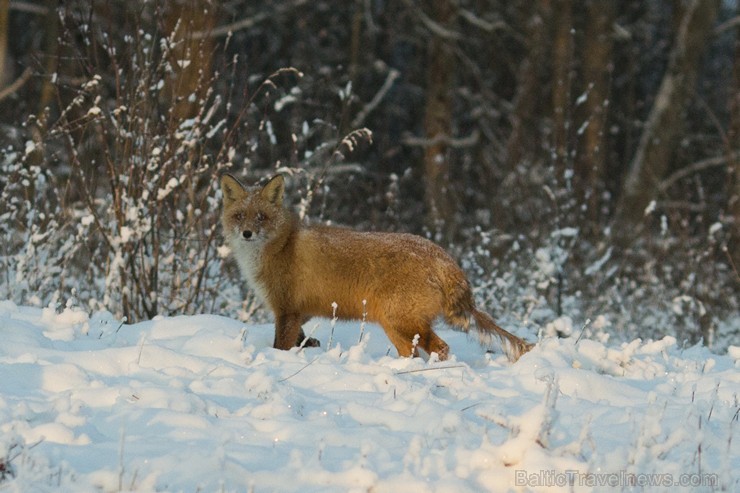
[512, 345]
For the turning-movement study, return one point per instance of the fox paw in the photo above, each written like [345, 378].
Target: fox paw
[308, 342]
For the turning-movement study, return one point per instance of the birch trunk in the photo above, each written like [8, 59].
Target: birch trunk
[664, 125]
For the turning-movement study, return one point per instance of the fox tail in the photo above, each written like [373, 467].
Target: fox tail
[513, 346]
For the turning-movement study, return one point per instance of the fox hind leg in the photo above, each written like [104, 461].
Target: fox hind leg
[403, 340]
[434, 344]
[404, 344]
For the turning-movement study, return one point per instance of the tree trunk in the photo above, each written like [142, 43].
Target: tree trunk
[438, 121]
[561, 82]
[664, 125]
[590, 164]
[733, 138]
[51, 54]
[5, 72]
[192, 56]
[524, 134]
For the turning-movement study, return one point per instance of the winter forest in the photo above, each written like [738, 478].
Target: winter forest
[575, 156]
[580, 159]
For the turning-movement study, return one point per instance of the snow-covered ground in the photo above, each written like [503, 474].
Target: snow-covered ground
[203, 403]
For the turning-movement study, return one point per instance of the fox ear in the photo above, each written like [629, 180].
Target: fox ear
[274, 191]
[232, 190]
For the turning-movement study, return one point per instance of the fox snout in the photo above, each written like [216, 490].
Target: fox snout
[248, 231]
[241, 228]
[251, 229]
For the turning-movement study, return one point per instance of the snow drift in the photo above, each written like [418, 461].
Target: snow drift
[202, 403]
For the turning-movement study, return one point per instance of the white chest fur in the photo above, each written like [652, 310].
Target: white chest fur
[248, 255]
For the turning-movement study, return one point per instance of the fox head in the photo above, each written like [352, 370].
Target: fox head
[252, 216]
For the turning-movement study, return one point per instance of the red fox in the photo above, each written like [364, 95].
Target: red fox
[401, 281]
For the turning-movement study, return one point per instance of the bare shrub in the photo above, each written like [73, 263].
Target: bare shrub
[112, 199]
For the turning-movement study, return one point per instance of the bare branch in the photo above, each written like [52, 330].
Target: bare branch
[239, 25]
[360, 118]
[28, 8]
[230, 28]
[727, 25]
[482, 23]
[682, 205]
[458, 143]
[433, 27]
[695, 168]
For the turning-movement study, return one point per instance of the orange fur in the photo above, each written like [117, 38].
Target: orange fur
[299, 271]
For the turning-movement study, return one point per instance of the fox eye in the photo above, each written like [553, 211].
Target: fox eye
[261, 216]
[239, 217]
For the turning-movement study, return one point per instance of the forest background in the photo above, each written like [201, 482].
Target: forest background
[578, 157]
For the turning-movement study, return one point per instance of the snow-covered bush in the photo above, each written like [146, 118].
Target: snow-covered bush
[111, 198]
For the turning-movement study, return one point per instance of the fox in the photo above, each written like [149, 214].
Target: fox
[400, 281]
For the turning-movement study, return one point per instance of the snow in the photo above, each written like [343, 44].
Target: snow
[30, 147]
[203, 403]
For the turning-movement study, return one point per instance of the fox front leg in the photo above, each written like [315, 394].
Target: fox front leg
[288, 332]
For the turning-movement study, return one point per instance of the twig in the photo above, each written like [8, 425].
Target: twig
[727, 25]
[334, 319]
[308, 336]
[434, 27]
[141, 350]
[121, 467]
[296, 373]
[17, 83]
[481, 23]
[245, 23]
[28, 8]
[33, 445]
[359, 120]
[696, 167]
[429, 369]
[462, 142]
[585, 324]
[231, 27]
[732, 262]
[364, 319]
